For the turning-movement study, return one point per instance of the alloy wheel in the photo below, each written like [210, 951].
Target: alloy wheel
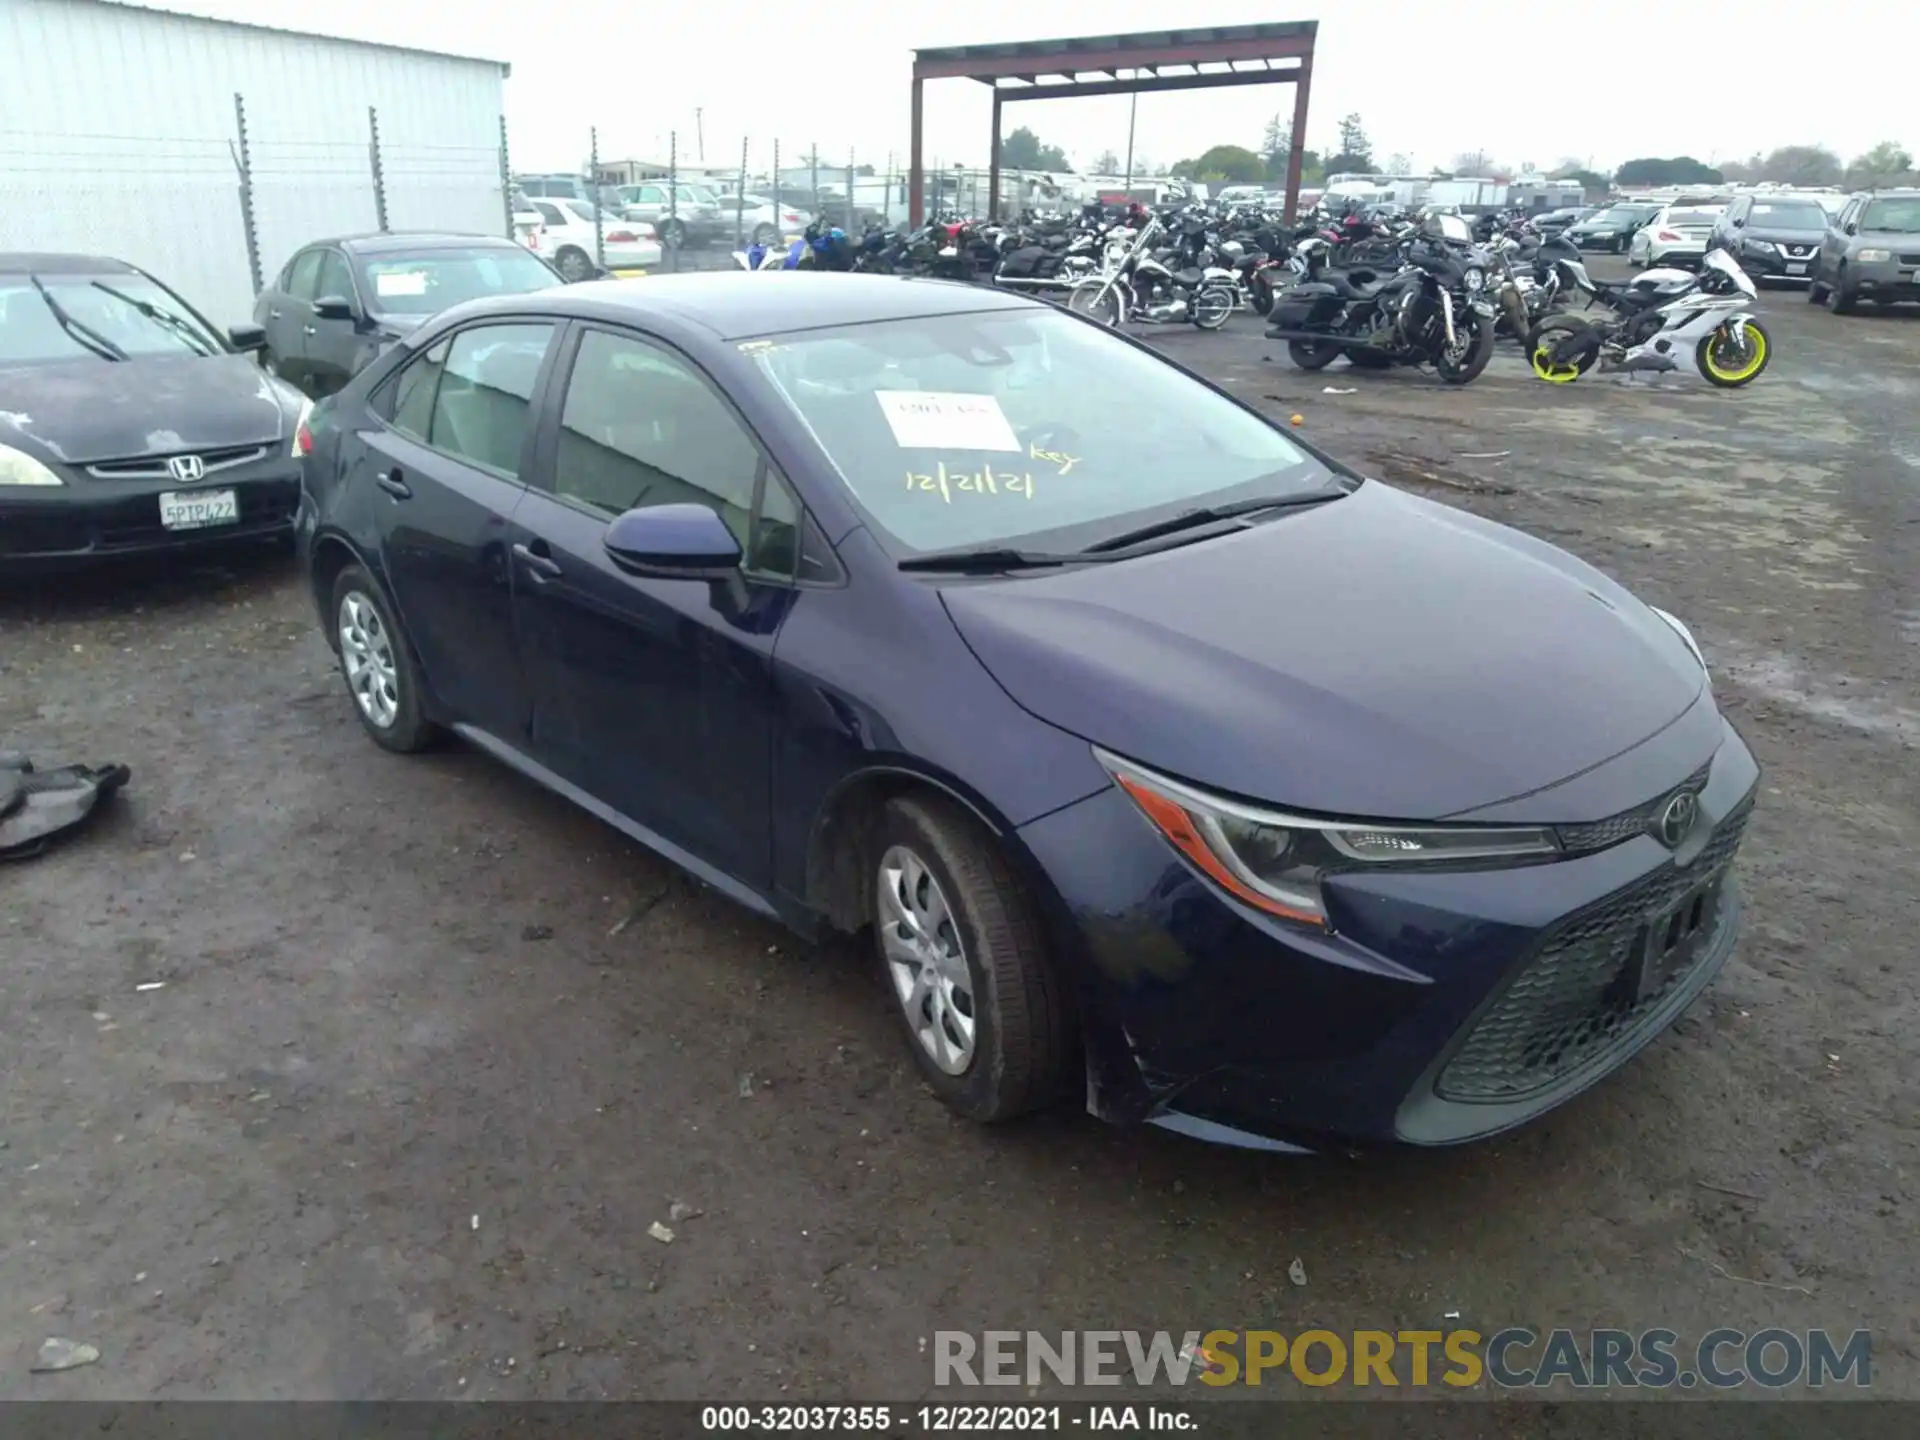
[925, 959]
[367, 658]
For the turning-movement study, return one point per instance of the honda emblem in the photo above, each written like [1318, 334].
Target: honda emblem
[186, 468]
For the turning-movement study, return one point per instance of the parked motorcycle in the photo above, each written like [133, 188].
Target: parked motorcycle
[1658, 319]
[1433, 311]
[1138, 286]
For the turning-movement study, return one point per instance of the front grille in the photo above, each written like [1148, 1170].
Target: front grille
[154, 467]
[1910, 259]
[1574, 1000]
[1798, 251]
[137, 521]
[1599, 834]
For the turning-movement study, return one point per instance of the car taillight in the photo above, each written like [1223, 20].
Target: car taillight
[792, 217]
[1668, 235]
[303, 439]
[621, 237]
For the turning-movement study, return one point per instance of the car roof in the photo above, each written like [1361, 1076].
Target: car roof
[734, 305]
[48, 262]
[391, 243]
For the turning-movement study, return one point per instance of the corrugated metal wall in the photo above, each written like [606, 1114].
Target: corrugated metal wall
[117, 136]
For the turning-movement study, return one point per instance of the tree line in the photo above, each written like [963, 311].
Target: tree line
[1887, 163]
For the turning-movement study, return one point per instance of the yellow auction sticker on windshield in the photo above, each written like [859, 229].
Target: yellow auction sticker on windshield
[946, 420]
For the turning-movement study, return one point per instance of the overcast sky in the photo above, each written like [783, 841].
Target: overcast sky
[1525, 82]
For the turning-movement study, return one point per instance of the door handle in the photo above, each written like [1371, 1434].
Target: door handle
[273, 314]
[308, 330]
[540, 567]
[394, 483]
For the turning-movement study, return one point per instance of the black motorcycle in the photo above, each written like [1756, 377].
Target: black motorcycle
[1433, 311]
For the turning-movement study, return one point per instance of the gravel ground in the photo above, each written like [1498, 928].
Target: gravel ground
[433, 1049]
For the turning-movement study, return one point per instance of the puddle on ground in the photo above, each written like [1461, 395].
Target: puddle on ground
[1785, 681]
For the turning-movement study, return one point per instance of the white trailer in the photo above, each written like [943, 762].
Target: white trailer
[119, 135]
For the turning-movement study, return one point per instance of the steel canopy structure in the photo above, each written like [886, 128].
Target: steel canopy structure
[1120, 65]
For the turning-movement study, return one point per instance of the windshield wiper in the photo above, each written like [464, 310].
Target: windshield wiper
[160, 317]
[1209, 514]
[90, 338]
[993, 558]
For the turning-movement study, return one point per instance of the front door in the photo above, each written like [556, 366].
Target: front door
[449, 482]
[286, 317]
[655, 695]
[332, 342]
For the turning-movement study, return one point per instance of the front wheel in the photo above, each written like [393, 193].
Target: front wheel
[1212, 305]
[673, 234]
[1463, 360]
[963, 954]
[1090, 300]
[765, 235]
[1729, 361]
[573, 264]
[1313, 354]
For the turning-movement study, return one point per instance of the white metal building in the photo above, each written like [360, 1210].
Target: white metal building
[118, 136]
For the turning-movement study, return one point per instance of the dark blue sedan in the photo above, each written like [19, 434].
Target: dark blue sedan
[1167, 760]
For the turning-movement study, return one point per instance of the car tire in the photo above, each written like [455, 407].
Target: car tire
[1313, 354]
[1841, 300]
[574, 264]
[963, 955]
[377, 664]
[765, 235]
[673, 234]
[1816, 290]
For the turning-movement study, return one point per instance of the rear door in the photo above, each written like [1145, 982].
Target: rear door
[449, 463]
[332, 345]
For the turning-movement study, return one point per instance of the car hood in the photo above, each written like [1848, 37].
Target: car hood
[1379, 656]
[1886, 239]
[92, 410]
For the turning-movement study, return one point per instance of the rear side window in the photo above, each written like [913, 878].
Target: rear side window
[333, 279]
[483, 403]
[412, 395]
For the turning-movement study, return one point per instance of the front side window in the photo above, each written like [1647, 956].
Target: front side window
[641, 427]
[412, 394]
[484, 397]
[303, 275]
[1026, 426]
[333, 282]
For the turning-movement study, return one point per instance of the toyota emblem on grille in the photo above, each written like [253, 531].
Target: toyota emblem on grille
[187, 468]
[1676, 820]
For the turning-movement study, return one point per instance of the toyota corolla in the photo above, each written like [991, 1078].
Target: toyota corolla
[1166, 760]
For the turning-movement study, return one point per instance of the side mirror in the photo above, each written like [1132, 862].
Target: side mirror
[1852, 228]
[673, 542]
[1740, 224]
[333, 307]
[247, 337]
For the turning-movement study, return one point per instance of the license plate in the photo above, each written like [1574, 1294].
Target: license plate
[197, 509]
[1797, 267]
[1673, 937]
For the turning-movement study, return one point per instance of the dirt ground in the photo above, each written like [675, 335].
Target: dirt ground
[434, 1049]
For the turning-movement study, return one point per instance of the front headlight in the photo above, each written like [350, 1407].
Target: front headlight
[1873, 257]
[1684, 633]
[1275, 862]
[1476, 279]
[19, 468]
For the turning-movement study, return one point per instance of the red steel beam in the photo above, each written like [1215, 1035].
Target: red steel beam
[1157, 82]
[1073, 58]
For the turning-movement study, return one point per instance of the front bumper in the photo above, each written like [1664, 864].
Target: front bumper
[92, 519]
[1794, 263]
[1897, 279]
[1445, 1006]
[1598, 240]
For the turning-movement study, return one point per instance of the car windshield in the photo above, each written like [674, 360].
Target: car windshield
[103, 314]
[428, 282]
[1788, 215]
[698, 194]
[959, 431]
[1690, 217]
[585, 209]
[1900, 214]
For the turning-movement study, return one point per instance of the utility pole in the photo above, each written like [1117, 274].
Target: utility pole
[1133, 113]
[700, 133]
